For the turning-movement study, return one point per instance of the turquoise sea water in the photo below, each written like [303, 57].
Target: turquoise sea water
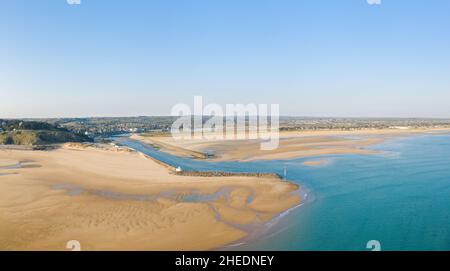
[400, 197]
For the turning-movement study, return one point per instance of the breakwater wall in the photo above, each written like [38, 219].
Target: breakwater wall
[226, 174]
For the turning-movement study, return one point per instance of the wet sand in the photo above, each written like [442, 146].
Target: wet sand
[116, 199]
[293, 144]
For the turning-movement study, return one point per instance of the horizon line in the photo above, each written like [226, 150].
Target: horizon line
[281, 116]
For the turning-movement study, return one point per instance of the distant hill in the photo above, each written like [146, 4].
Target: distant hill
[16, 132]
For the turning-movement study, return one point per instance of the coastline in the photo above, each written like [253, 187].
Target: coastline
[292, 144]
[274, 225]
[122, 201]
[256, 230]
[277, 224]
[103, 185]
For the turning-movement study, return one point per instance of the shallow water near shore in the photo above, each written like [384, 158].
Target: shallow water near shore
[400, 197]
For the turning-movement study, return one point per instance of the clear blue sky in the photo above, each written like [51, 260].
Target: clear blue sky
[140, 57]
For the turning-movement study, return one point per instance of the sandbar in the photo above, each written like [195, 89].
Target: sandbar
[292, 144]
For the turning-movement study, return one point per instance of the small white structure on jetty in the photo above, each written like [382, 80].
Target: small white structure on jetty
[178, 169]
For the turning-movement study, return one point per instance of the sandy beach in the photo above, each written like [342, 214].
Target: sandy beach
[293, 144]
[111, 199]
